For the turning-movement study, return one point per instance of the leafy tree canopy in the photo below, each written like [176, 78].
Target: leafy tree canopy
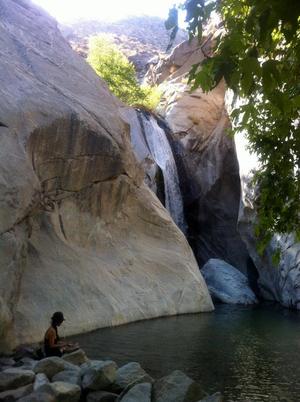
[114, 67]
[257, 53]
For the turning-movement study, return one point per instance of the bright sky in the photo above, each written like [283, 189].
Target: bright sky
[69, 10]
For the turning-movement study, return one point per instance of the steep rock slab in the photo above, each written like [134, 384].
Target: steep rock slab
[79, 230]
[279, 282]
[206, 156]
[226, 283]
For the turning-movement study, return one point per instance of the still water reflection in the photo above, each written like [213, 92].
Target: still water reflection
[247, 353]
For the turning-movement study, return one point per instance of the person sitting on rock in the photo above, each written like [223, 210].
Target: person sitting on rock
[52, 345]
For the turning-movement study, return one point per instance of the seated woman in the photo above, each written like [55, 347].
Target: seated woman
[52, 345]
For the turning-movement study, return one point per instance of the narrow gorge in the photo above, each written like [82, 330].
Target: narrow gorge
[118, 214]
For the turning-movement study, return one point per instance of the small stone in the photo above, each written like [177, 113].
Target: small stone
[40, 379]
[128, 374]
[15, 394]
[101, 396]
[62, 391]
[69, 376]
[78, 357]
[100, 375]
[50, 366]
[13, 378]
[138, 393]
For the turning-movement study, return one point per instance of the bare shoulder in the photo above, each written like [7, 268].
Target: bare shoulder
[50, 332]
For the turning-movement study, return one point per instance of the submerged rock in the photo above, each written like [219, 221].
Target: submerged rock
[226, 283]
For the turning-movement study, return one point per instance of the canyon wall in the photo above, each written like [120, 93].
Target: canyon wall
[206, 157]
[79, 230]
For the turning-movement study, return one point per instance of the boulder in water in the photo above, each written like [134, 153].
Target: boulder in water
[226, 283]
[130, 373]
[100, 375]
[176, 387]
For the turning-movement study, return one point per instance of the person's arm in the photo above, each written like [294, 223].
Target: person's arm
[51, 338]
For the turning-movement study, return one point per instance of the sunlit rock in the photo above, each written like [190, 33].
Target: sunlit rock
[80, 232]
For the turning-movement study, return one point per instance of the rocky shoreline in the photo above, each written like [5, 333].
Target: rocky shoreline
[75, 377]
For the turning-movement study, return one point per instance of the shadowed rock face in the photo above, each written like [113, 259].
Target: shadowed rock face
[80, 232]
[206, 157]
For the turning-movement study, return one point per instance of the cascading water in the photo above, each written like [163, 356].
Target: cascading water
[162, 154]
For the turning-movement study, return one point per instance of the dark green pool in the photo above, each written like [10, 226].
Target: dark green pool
[247, 353]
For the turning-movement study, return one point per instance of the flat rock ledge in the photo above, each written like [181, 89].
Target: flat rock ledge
[75, 378]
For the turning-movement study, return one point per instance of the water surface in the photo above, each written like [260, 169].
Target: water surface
[247, 353]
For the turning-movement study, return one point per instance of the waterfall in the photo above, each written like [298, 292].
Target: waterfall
[162, 154]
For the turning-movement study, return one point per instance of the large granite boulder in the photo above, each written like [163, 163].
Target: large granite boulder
[205, 155]
[226, 283]
[73, 207]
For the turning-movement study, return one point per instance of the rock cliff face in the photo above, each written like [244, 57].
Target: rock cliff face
[279, 282]
[206, 157]
[80, 232]
[139, 38]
